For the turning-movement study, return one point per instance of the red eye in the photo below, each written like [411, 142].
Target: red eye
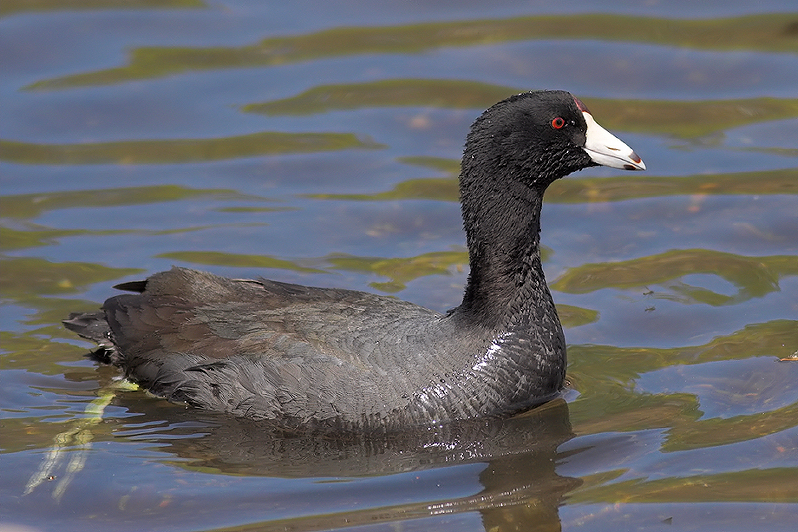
[557, 123]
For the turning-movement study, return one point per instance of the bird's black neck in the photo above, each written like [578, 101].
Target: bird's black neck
[506, 285]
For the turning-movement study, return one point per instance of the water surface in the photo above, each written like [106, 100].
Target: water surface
[319, 144]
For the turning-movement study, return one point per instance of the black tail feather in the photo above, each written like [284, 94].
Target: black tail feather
[92, 326]
[89, 325]
[132, 286]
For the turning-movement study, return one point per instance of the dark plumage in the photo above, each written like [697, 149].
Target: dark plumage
[304, 356]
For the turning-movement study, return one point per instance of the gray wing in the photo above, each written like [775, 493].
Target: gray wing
[264, 349]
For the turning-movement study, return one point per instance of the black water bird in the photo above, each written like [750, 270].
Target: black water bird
[349, 360]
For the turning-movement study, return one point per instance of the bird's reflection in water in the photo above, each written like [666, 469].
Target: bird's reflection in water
[510, 463]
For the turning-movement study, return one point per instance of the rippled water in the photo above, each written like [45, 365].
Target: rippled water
[319, 143]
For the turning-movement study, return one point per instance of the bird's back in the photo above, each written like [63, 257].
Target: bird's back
[264, 349]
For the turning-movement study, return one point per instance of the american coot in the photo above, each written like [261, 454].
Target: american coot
[342, 359]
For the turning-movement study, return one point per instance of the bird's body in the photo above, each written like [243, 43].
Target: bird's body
[343, 359]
